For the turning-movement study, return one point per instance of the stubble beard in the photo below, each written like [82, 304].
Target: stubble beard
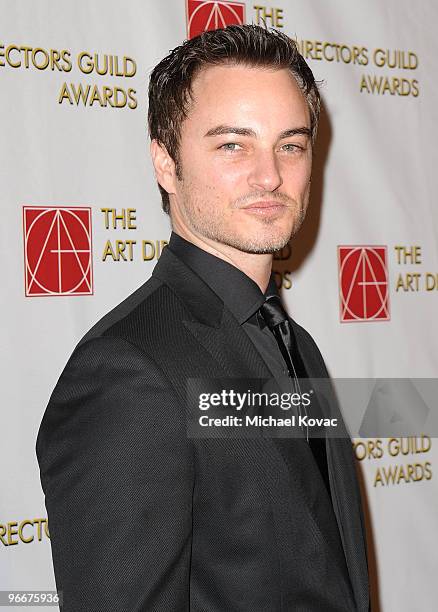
[257, 245]
[211, 227]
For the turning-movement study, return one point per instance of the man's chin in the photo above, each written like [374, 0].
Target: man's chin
[262, 242]
[259, 245]
[252, 238]
[262, 250]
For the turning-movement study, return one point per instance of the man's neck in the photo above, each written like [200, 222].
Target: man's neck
[257, 266]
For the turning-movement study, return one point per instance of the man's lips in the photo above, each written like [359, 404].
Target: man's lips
[265, 206]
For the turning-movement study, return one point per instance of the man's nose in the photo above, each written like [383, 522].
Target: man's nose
[265, 173]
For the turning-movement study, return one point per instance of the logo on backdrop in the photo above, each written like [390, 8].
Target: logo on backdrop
[57, 251]
[203, 16]
[363, 283]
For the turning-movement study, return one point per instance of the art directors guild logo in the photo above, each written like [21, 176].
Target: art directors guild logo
[364, 279]
[363, 283]
[57, 251]
[203, 16]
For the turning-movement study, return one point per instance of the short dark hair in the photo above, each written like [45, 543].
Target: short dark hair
[170, 85]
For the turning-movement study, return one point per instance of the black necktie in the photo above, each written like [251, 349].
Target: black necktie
[278, 322]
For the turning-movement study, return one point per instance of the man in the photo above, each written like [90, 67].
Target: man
[142, 516]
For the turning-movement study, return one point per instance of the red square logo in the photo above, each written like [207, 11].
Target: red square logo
[203, 16]
[57, 251]
[363, 283]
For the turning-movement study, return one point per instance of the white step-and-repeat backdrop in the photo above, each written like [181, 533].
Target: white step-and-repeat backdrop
[82, 227]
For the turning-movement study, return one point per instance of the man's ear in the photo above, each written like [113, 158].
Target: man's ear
[164, 166]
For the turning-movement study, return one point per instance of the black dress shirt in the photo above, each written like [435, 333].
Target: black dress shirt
[241, 295]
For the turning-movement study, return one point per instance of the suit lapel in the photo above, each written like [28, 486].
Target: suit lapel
[209, 322]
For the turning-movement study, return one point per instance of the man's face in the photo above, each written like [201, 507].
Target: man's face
[245, 159]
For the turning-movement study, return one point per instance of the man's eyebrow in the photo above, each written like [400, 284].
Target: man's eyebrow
[229, 129]
[220, 130]
[300, 131]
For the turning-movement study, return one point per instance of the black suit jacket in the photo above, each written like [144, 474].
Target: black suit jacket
[144, 518]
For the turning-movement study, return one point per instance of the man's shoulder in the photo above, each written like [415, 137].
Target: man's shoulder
[124, 313]
[116, 343]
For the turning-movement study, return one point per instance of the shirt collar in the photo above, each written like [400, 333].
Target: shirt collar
[241, 295]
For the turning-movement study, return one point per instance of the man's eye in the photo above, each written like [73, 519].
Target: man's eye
[291, 148]
[229, 146]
